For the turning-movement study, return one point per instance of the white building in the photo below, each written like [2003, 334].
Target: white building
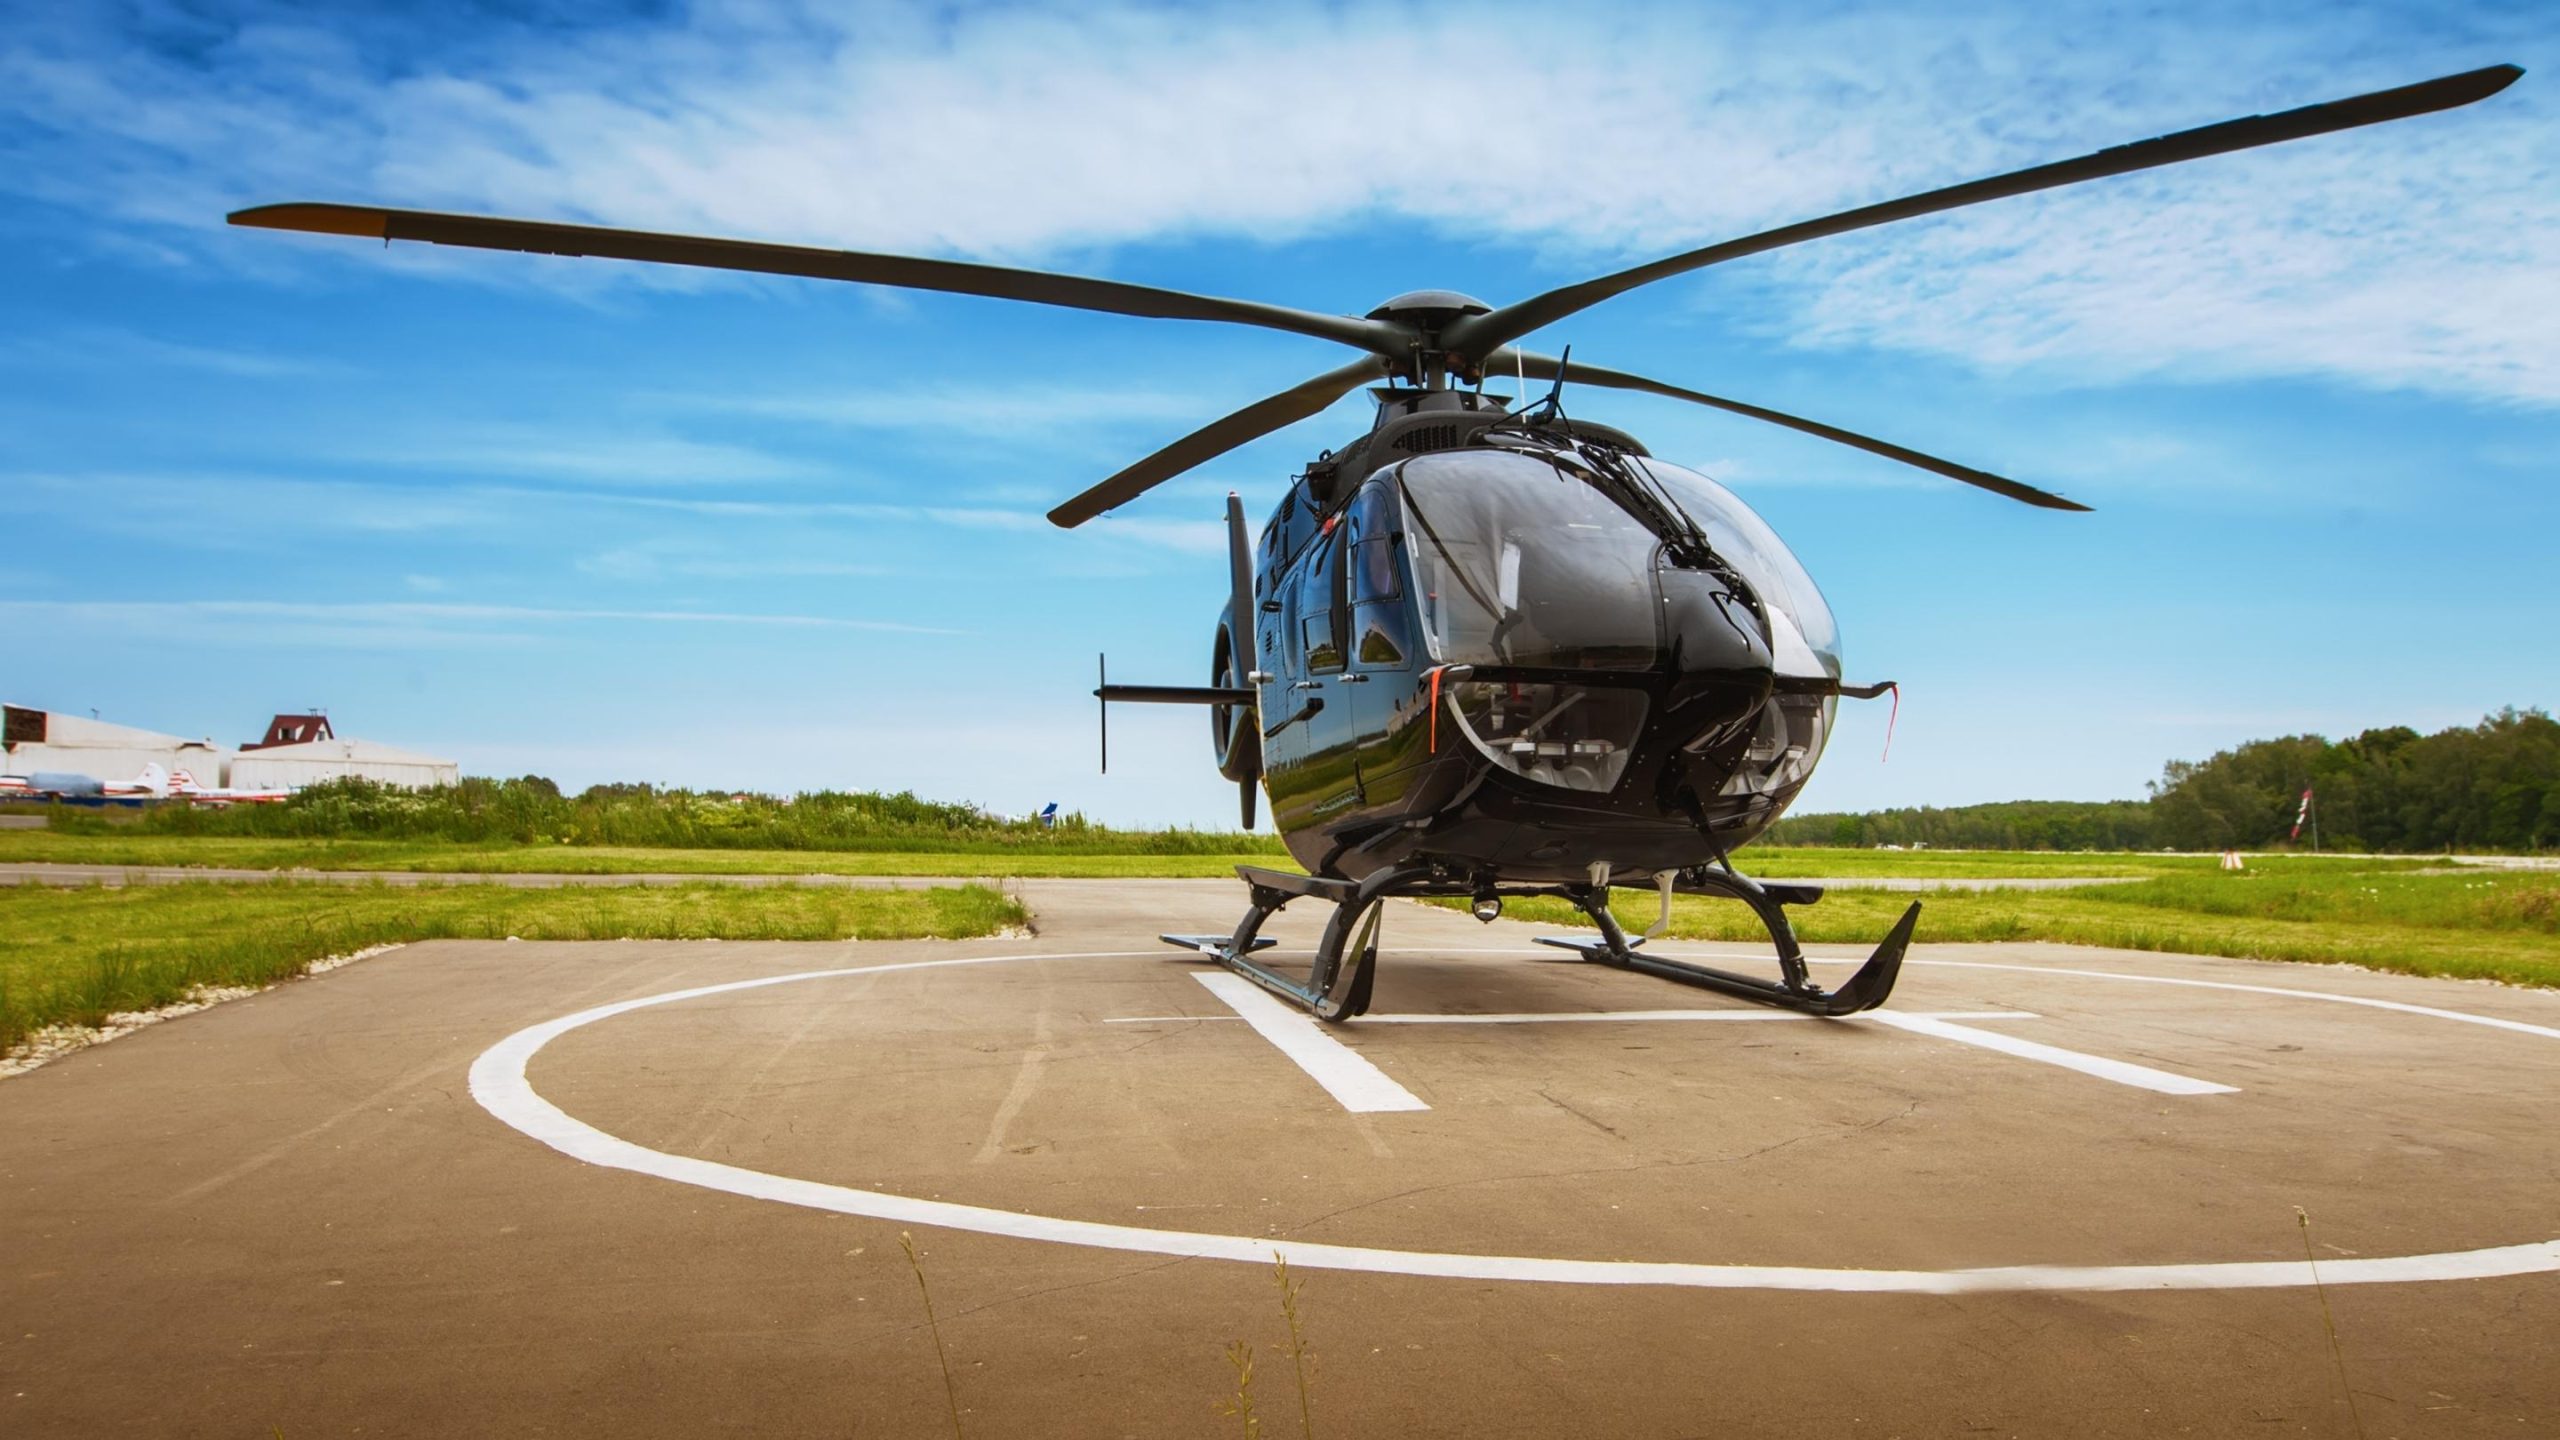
[279, 766]
[48, 742]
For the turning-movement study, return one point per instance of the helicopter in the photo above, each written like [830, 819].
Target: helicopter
[1487, 649]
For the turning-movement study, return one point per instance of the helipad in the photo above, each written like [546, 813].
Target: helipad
[658, 1187]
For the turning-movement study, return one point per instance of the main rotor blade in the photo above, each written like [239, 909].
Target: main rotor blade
[1217, 438]
[1543, 367]
[1478, 335]
[542, 237]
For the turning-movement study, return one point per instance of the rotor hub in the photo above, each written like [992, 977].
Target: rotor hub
[1429, 309]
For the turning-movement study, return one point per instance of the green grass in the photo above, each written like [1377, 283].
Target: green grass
[77, 956]
[113, 847]
[506, 857]
[2479, 925]
[1781, 862]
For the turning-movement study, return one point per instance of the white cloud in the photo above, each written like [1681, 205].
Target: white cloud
[102, 347]
[235, 511]
[216, 509]
[978, 411]
[2426, 254]
[550, 452]
[383, 624]
[653, 560]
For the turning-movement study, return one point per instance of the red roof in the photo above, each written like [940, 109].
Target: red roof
[295, 730]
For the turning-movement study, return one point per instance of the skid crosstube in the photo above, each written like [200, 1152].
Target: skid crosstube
[1339, 983]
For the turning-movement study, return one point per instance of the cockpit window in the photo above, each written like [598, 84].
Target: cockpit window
[1518, 564]
[1804, 639]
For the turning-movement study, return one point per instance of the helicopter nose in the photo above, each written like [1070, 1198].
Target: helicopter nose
[1711, 633]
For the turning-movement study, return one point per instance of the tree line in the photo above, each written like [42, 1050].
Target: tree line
[2494, 786]
[531, 809]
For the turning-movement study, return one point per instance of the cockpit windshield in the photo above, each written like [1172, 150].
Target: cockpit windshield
[1807, 639]
[1520, 563]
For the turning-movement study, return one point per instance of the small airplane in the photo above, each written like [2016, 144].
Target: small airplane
[1484, 651]
[151, 784]
[182, 784]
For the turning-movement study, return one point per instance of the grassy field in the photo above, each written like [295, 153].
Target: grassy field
[502, 857]
[2483, 925]
[77, 956]
[451, 856]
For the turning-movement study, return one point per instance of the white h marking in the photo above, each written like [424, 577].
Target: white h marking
[2121, 1072]
[1359, 1085]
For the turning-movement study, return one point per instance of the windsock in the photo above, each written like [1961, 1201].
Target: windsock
[2302, 814]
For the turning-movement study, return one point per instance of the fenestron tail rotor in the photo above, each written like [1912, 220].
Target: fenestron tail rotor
[1415, 337]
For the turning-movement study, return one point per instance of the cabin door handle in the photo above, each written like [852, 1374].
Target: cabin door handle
[1314, 704]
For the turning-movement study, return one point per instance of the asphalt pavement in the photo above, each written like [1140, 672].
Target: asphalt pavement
[658, 1188]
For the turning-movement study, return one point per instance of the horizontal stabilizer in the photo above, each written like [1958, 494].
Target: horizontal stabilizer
[1175, 694]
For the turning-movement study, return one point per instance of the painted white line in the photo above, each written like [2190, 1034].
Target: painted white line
[498, 1082]
[1542, 1017]
[2518, 1026]
[2121, 1072]
[1362, 1088]
[1167, 1019]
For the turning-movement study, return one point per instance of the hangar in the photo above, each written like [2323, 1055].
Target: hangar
[313, 761]
[44, 740]
[298, 750]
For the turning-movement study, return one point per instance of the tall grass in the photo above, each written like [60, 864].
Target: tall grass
[533, 811]
[941, 1356]
[119, 846]
[78, 956]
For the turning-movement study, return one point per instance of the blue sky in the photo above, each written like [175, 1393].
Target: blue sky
[603, 522]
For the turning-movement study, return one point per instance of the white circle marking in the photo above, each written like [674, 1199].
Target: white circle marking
[499, 1083]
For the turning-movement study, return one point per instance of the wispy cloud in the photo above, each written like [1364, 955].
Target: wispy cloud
[549, 452]
[373, 622]
[1190, 536]
[96, 346]
[650, 561]
[224, 510]
[230, 510]
[979, 409]
[2422, 255]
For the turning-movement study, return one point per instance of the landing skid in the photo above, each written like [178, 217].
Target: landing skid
[1346, 961]
[1795, 989]
[1339, 982]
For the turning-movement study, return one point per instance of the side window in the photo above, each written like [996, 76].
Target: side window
[1373, 569]
[1378, 626]
[1373, 550]
[1319, 636]
[1312, 606]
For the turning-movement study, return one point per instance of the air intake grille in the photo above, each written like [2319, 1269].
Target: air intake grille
[1427, 437]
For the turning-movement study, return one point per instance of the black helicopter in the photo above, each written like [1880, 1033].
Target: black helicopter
[1483, 651]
